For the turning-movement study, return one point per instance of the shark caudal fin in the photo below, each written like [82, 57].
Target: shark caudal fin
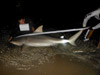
[74, 38]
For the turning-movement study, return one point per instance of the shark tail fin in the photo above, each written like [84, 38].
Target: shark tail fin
[74, 38]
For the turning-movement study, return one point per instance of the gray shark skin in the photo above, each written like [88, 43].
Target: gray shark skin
[43, 40]
[38, 40]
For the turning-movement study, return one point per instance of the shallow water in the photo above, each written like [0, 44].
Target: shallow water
[59, 64]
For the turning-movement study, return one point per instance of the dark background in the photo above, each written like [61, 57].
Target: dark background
[52, 14]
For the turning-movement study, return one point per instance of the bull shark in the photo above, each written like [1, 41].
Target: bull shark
[43, 40]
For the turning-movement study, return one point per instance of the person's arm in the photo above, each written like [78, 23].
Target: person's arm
[95, 14]
[98, 46]
[96, 27]
[32, 26]
[33, 29]
[86, 20]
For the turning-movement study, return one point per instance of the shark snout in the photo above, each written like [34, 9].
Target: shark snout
[16, 43]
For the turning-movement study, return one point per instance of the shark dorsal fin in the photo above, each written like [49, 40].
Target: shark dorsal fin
[39, 29]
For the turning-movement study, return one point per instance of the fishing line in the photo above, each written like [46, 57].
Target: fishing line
[59, 31]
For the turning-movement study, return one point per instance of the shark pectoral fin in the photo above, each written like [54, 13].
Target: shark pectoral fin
[74, 38]
[39, 29]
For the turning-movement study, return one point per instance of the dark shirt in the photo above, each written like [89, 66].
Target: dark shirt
[16, 30]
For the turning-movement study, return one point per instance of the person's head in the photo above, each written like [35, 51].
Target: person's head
[21, 21]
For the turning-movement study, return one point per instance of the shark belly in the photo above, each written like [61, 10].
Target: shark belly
[39, 44]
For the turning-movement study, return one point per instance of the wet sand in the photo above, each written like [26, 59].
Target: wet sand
[58, 65]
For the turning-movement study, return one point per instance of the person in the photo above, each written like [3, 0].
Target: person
[96, 16]
[24, 26]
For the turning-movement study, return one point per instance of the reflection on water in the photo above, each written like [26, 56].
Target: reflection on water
[61, 64]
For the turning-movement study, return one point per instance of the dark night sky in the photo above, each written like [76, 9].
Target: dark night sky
[56, 14]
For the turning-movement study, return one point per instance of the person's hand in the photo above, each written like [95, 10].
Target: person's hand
[10, 39]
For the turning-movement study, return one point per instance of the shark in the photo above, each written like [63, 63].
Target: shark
[43, 40]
